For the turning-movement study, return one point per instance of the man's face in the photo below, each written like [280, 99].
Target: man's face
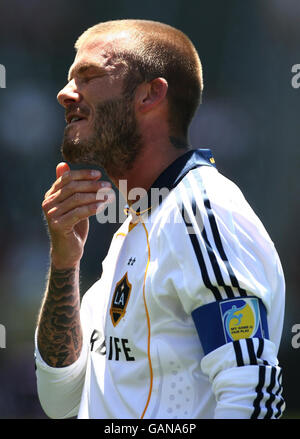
[101, 123]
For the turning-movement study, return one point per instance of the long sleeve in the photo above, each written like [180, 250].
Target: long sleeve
[246, 379]
[60, 389]
[233, 286]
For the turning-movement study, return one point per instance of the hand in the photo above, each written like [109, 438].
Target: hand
[67, 207]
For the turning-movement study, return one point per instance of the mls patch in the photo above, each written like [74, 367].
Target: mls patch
[229, 320]
[120, 300]
[241, 319]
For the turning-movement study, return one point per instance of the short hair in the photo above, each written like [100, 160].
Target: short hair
[159, 50]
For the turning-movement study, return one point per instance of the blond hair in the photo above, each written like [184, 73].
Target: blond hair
[159, 50]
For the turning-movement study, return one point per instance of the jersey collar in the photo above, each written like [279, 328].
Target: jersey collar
[175, 172]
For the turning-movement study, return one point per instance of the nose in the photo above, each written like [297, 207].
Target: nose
[69, 94]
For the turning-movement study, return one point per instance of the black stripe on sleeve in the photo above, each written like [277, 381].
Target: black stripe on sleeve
[219, 244]
[238, 353]
[258, 389]
[278, 407]
[278, 379]
[272, 395]
[217, 237]
[251, 352]
[199, 255]
[216, 267]
[210, 251]
[281, 400]
[260, 349]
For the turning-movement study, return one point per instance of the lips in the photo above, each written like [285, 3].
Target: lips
[72, 118]
[76, 120]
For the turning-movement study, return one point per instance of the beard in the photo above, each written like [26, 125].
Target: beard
[115, 142]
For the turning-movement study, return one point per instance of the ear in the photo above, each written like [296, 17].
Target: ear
[150, 94]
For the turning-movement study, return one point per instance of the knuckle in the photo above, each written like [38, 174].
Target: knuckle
[71, 186]
[77, 197]
[51, 212]
[49, 192]
[56, 184]
[77, 213]
[58, 193]
[44, 204]
[65, 191]
[54, 223]
[60, 182]
[66, 177]
[48, 201]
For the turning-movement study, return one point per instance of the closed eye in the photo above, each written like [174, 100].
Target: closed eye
[87, 72]
[88, 78]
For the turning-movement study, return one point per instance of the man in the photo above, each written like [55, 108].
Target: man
[186, 319]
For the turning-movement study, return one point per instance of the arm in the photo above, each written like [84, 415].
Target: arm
[60, 333]
[67, 207]
[60, 353]
[234, 289]
[246, 379]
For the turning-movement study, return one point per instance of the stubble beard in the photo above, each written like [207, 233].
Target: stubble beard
[115, 142]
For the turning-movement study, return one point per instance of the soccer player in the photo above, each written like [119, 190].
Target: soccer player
[186, 319]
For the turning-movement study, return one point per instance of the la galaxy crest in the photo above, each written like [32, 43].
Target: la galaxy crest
[120, 300]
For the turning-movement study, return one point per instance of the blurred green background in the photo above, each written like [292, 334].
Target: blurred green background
[249, 118]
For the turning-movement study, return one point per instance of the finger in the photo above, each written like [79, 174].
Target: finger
[61, 168]
[76, 200]
[78, 187]
[68, 176]
[73, 195]
[68, 221]
[80, 174]
[69, 179]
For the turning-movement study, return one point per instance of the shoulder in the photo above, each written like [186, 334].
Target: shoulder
[206, 193]
[202, 194]
[206, 184]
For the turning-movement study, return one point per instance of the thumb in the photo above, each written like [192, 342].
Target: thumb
[61, 168]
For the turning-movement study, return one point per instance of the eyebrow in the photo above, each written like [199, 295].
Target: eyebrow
[81, 68]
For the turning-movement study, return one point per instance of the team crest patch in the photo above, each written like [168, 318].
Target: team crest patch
[120, 300]
[241, 319]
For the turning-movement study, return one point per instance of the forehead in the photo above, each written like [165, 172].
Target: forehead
[98, 50]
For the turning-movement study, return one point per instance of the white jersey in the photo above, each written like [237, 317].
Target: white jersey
[186, 319]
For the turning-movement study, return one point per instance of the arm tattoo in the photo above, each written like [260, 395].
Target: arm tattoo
[59, 328]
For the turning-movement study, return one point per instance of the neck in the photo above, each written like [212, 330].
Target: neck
[149, 164]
